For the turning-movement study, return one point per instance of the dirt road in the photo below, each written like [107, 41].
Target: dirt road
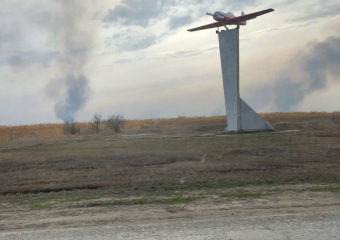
[306, 215]
[325, 225]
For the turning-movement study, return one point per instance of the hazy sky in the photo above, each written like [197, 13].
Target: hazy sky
[73, 58]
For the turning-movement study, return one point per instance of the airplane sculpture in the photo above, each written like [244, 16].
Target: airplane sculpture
[224, 19]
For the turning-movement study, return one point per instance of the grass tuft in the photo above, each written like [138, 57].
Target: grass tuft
[181, 200]
[244, 195]
[324, 189]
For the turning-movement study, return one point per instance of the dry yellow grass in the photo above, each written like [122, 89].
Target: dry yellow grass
[54, 131]
[282, 115]
[10, 133]
[25, 133]
[41, 132]
[146, 123]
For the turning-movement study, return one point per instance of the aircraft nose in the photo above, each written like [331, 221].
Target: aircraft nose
[216, 15]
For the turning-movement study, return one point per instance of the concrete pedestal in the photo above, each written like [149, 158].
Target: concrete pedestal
[240, 116]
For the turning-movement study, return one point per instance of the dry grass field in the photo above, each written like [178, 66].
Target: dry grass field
[12, 135]
[163, 152]
[181, 153]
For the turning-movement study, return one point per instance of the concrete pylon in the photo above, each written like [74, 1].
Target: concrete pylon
[240, 116]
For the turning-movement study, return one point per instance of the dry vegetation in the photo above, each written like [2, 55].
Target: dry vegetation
[170, 152]
[11, 135]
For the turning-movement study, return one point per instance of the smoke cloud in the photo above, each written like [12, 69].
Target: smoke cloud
[73, 40]
[76, 94]
[308, 72]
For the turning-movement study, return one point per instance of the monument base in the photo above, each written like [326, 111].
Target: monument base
[251, 121]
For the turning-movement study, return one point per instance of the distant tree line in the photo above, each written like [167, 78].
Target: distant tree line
[114, 122]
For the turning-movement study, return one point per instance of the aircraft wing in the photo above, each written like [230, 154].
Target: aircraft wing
[212, 25]
[247, 16]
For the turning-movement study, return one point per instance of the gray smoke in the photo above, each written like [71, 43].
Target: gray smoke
[76, 95]
[321, 60]
[73, 41]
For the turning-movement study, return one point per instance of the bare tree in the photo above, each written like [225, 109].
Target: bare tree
[115, 122]
[96, 120]
[71, 127]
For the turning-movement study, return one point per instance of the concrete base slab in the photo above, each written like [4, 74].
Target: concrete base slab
[259, 132]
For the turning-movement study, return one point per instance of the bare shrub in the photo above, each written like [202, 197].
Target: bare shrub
[71, 127]
[115, 122]
[96, 120]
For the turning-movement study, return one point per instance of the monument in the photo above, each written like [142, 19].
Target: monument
[240, 116]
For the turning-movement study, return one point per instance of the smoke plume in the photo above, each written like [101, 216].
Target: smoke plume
[308, 72]
[73, 40]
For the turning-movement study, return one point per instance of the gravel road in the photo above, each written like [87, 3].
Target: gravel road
[288, 226]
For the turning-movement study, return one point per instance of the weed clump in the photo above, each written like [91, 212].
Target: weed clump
[115, 122]
[71, 127]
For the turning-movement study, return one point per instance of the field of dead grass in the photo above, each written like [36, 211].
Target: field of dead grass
[174, 152]
[12, 135]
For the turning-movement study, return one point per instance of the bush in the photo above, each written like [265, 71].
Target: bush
[71, 127]
[115, 122]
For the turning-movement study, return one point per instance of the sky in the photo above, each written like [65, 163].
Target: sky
[69, 59]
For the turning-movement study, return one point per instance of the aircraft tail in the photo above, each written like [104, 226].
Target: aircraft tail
[244, 22]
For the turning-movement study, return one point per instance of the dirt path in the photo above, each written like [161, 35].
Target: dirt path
[302, 226]
[205, 209]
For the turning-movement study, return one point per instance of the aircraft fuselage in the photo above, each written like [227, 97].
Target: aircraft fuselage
[224, 17]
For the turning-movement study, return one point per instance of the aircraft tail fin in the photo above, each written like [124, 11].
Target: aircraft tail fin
[244, 22]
